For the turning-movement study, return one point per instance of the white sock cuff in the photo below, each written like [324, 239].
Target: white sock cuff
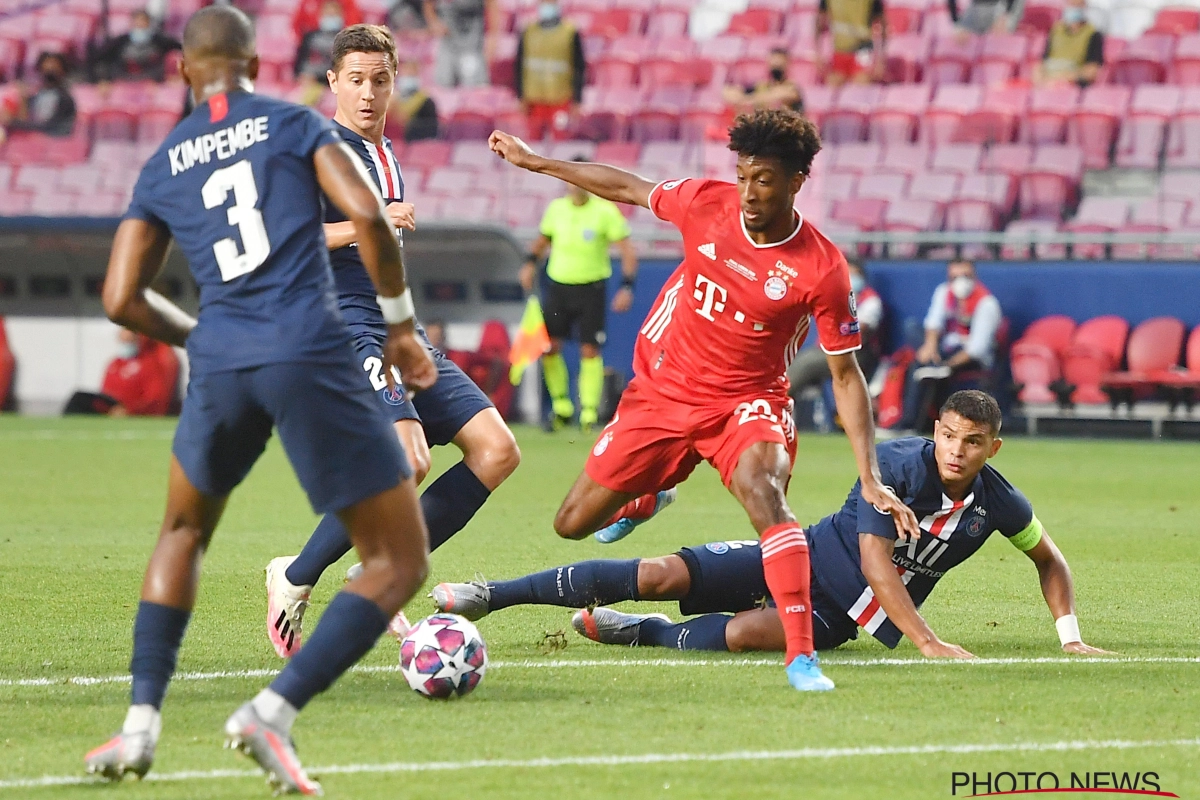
[275, 710]
[141, 719]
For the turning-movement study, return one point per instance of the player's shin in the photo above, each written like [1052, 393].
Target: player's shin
[702, 633]
[587, 583]
[157, 633]
[328, 543]
[786, 568]
[450, 502]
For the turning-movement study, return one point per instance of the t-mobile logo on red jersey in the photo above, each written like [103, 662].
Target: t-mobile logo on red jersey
[706, 293]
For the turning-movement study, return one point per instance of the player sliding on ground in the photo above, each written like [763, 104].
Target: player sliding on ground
[453, 410]
[238, 185]
[860, 576]
[711, 359]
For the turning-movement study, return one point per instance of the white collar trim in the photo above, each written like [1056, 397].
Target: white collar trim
[757, 246]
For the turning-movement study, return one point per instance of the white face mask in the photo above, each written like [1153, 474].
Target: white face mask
[127, 349]
[962, 286]
[331, 23]
[407, 84]
[548, 13]
[140, 35]
[857, 282]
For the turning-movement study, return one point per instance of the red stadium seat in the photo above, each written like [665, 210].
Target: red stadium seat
[866, 214]
[847, 120]
[1000, 57]
[672, 159]
[951, 59]
[755, 21]
[1008, 159]
[1145, 60]
[1185, 68]
[962, 159]
[1054, 332]
[1143, 131]
[995, 191]
[707, 116]
[903, 17]
[502, 66]
[1021, 243]
[450, 182]
[900, 109]
[996, 118]
[1183, 384]
[906, 158]
[1039, 17]
[1176, 21]
[838, 186]
[1049, 109]
[911, 216]
[905, 55]
[618, 67]
[857, 157]
[1051, 184]
[659, 118]
[1183, 132]
[951, 104]
[430, 153]
[1105, 335]
[153, 126]
[621, 154]
[1154, 348]
[668, 63]
[1035, 368]
[1097, 215]
[669, 18]
[819, 100]
[891, 188]
[114, 125]
[935, 187]
[1093, 126]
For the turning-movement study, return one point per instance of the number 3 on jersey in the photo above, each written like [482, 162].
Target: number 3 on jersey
[238, 177]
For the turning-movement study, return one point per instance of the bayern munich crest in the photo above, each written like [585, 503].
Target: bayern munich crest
[775, 287]
[602, 445]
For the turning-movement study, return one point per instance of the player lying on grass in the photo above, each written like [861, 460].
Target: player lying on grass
[454, 410]
[860, 576]
[710, 362]
[238, 184]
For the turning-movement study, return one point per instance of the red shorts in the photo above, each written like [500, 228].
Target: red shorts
[654, 442]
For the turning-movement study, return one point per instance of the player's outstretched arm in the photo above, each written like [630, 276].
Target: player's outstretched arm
[138, 253]
[344, 180]
[893, 597]
[1059, 591]
[854, 407]
[599, 179]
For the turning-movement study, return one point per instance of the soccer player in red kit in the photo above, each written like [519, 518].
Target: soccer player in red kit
[710, 365]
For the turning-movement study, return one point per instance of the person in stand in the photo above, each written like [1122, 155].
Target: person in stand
[550, 69]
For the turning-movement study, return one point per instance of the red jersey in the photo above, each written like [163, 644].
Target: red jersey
[144, 384]
[734, 314]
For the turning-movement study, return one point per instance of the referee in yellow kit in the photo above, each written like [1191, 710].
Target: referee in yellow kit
[579, 229]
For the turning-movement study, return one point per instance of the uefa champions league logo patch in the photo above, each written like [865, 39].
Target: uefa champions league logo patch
[602, 445]
[775, 287]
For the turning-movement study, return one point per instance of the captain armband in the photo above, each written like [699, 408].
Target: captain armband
[1028, 538]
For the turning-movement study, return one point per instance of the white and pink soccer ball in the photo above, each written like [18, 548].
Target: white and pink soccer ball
[443, 656]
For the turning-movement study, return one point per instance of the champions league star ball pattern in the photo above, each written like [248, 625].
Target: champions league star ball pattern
[443, 656]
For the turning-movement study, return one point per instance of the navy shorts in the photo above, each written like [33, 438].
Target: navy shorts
[443, 409]
[728, 577]
[340, 446]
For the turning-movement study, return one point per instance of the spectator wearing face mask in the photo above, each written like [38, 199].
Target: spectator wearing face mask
[310, 13]
[984, 16]
[460, 27]
[140, 54]
[857, 27]
[412, 107]
[777, 91]
[550, 69]
[1074, 49]
[961, 326]
[314, 56]
[140, 381]
[50, 109]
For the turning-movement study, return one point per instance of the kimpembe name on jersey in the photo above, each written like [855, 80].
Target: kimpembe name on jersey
[226, 143]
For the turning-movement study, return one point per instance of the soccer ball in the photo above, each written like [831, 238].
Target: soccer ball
[443, 656]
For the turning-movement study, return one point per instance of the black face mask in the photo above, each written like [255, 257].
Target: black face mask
[778, 75]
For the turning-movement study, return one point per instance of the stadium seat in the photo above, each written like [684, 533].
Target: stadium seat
[950, 105]
[1054, 332]
[674, 156]
[898, 115]
[450, 182]
[890, 188]
[934, 187]
[905, 55]
[503, 63]
[15, 204]
[1051, 184]
[1008, 159]
[527, 183]
[1143, 130]
[670, 63]
[961, 159]
[1097, 215]
[1154, 348]
[756, 20]
[906, 158]
[618, 67]
[1039, 17]
[846, 121]
[866, 214]
[1049, 109]
[669, 18]
[1153, 216]
[904, 16]
[1176, 21]
[996, 118]
[838, 186]
[478, 156]
[621, 154]
[715, 160]
[1000, 57]
[996, 191]
[430, 153]
[857, 157]
[911, 216]
[1144, 60]
[1182, 384]
[660, 117]
[494, 182]
[1035, 368]
[1021, 240]
[1183, 132]
[951, 59]
[1095, 351]
[706, 117]
[1185, 67]
[1093, 125]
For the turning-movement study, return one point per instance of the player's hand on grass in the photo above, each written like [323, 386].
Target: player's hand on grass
[1081, 649]
[511, 149]
[623, 300]
[936, 648]
[402, 215]
[404, 351]
[886, 501]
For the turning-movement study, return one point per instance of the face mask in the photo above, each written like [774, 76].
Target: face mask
[548, 13]
[857, 283]
[1073, 15]
[140, 35]
[331, 24]
[408, 84]
[127, 349]
[962, 286]
[778, 75]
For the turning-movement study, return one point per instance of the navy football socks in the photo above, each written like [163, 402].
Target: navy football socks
[157, 633]
[575, 586]
[702, 633]
[448, 505]
[347, 631]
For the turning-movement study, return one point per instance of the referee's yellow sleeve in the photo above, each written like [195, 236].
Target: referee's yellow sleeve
[546, 227]
[618, 228]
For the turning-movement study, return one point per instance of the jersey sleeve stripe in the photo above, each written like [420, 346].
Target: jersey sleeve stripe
[841, 352]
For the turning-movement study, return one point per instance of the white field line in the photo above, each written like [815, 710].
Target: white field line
[807, 753]
[84, 680]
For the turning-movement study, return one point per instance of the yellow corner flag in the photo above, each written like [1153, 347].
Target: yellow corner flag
[531, 343]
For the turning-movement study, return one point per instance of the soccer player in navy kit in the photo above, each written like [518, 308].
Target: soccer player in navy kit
[453, 410]
[238, 185]
[861, 575]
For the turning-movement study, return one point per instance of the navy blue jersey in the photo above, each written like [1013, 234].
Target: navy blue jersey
[234, 183]
[356, 292]
[951, 531]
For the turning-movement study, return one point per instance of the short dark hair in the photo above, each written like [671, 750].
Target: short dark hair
[966, 261]
[776, 133]
[364, 39]
[979, 407]
[220, 32]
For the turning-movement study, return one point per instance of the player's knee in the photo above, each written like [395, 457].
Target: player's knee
[497, 458]
[568, 523]
[664, 578]
[184, 533]
[588, 351]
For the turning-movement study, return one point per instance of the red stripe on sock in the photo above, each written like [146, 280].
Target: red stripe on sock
[642, 508]
[786, 569]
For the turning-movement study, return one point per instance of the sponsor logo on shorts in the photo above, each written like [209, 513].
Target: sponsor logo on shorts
[717, 548]
[602, 444]
[775, 287]
[709, 251]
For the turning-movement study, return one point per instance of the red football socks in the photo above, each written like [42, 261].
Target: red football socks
[785, 565]
[642, 508]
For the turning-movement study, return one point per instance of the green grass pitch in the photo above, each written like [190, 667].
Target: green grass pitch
[80, 504]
